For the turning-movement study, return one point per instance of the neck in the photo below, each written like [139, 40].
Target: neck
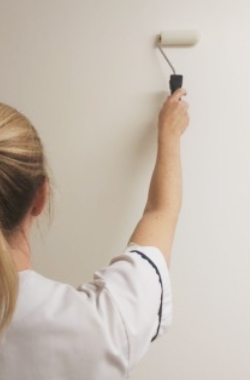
[21, 258]
[20, 250]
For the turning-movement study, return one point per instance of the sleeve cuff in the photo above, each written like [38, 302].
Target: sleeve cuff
[156, 259]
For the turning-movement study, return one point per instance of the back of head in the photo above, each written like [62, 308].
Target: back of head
[22, 172]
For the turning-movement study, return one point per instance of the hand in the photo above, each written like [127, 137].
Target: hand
[173, 117]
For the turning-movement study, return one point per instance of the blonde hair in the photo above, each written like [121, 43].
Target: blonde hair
[22, 172]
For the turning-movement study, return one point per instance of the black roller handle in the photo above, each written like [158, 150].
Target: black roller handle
[175, 82]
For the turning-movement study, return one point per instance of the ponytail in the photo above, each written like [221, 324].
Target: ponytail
[8, 284]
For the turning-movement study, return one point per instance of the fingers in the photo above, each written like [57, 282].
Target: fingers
[174, 102]
[174, 116]
[178, 94]
[177, 97]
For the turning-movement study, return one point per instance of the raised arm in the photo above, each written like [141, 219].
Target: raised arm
[159, 220]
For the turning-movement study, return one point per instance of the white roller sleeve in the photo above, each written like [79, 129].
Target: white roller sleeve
[179, 37]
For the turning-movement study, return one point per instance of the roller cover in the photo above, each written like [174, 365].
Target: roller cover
[179, 37]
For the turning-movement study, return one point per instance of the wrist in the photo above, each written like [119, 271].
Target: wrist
[169, 141]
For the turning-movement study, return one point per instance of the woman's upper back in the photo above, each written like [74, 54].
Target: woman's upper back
[99, 331]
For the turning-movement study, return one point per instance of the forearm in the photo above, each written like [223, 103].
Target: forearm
[165, 190]
[158, 223]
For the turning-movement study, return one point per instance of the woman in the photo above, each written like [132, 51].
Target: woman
[52, 331]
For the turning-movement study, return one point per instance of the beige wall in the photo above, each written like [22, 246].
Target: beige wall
[86, 74]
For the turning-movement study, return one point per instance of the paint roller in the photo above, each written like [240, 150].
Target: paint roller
[185, 38]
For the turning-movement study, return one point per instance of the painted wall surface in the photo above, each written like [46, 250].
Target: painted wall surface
[87, 75]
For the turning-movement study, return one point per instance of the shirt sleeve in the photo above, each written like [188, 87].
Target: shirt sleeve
[139, 285]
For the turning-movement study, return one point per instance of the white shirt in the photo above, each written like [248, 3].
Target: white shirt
[99, 331]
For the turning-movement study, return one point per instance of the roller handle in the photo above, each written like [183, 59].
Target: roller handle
[175, 82]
